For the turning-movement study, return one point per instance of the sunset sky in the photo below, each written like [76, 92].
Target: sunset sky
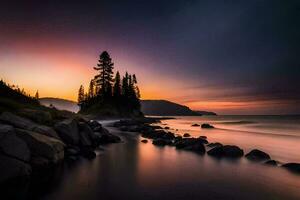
[231, 57]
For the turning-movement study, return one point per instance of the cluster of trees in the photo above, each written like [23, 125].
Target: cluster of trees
[18, 90]
[109, 91]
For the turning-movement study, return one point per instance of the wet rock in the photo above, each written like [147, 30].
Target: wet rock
[167, 127]
[271, 162]
[87, 136]
[42, 146]
[257, 155]
[87, 152]
[195, 125]
[203, 137]
[144, 141]
[185, 142]
[161, 142]
[227, 151]
[198, 147]
[68, 131]
[293, 167]
[23, 123]
[11, 145]
[94, 125]
[186, 135]
[207, 126]
[215, 144]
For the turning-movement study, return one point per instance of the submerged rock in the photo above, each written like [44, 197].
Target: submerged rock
[207, 126]
[144, 141]
[227, 151]
[293, 167]
[161, 142]
[203, 137]
[257, 155]
[195, 125]
[198, 148]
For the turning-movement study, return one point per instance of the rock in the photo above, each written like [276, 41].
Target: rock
[167, 127]
[87, 152]
[216, 144]
[87, 136]
[185, 142]
[293, 167]
[271, 162]
[38, 116]
[23, 123]
[144, 141]
[71, 151]
[186, 135]
[203, 137]
[198, 147]
[106, 138]
[11, 145]
[257, 155]
[161, 142]
[94, 124]
[13, 170]
[195, 125]
[207, 126]
[226, 151]
[68, 131]
[42, 146]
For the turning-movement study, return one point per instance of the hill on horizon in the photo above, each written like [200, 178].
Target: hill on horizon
[61, 104]
[168, 108]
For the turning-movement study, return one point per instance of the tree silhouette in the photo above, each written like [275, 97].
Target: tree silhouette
[117, 85]
[91, 92]
[37, 95]
[105, 77]
[81, 95]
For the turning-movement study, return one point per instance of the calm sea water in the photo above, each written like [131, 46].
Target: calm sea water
[134, 170]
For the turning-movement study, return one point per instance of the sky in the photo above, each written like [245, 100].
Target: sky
[230, 57]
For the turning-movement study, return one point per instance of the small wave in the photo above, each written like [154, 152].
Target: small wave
[239, 122]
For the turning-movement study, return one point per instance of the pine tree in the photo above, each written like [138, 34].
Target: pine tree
[117, 85]
[81, 97]
[136, 88]
[125, 85]
[105, 77]
[37, 95]
[91, 92]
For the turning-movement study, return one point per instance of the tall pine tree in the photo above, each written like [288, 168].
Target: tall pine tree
[81, 96]
[104, 78]
[117, 86]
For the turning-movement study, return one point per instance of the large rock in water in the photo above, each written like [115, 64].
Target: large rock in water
[227, 151]
[257, 155]
[207, 126]
[11, 145]
[49, 149]
[68, 131]
[293, 167]
[87, 136]
[23, 123]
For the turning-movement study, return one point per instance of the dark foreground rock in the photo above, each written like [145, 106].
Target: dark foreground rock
[257, 155]
[293, 167]
[227, 151]
[215, 144]
[186, 135]
[207, 126]
[195, 125]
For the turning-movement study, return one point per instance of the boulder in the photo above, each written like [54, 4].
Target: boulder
[198, 148]
[271, 162]
[144, 141]
[87, 136]
[215, 144]
[87, 152]
[293, 167]
[195, 125]
[161, 142]
[257, 155]
[38, 116]
[68, 131]
[11, 145]
[167, 127]
[94, 125]
[106, 138]
[203, 137]
[42, 146]
[13, 170]
[185, 142]
[23, 123]
[186, 135]
[227, 151]
[207, 126]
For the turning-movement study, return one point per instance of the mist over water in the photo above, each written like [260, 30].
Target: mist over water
[134, 170]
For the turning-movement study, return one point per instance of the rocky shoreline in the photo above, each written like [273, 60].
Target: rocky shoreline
[30, 151]
[163, 137]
